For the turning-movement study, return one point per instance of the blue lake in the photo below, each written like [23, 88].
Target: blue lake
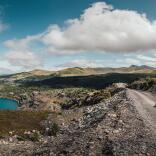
[7, 104]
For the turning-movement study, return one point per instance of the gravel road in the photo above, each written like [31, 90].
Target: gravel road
[144, 102]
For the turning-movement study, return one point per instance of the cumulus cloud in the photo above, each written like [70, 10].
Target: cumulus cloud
[128, 61]
[24, 43]
[102, 28]
[99, 28]
[5, 71]
[84, 63]
[3, 26]
[79, 63]
[20, 53]
[6, 68]
[146, 58]
[24, 59]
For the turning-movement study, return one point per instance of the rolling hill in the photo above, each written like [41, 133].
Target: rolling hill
[38, 74]
[77, 71]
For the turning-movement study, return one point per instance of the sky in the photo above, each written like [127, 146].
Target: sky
[57, 34]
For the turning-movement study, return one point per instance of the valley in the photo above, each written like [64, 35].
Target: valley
[96, 111]
[77, 78]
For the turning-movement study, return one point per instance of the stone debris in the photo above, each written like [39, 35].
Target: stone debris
[110, 128]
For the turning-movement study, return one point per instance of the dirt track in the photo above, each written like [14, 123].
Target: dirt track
[144, 102]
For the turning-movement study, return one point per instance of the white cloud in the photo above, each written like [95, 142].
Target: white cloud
[3, 26]
[129, 61]
[24, 43]
[20, 53]
[6, 68]
[79, 63]
[84, 63]
[152, 64]
[99, 28]
[102, 28]
[146, 58]
[24, 59]
[5, 71]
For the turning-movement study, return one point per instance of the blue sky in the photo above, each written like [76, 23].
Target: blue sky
[36, 34]
[27, 17]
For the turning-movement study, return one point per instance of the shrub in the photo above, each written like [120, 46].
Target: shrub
[143, 84]
[52, 129]
[32, 136]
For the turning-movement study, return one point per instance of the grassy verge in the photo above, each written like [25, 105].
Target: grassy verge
[143, 84]
[20, 121]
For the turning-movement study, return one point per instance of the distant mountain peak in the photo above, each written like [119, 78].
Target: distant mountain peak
[142, 66]
[134, 66]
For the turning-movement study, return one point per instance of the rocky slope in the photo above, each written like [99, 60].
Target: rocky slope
[53, 99]
[109, 128]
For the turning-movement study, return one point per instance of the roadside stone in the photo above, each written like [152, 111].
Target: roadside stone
[110, 128]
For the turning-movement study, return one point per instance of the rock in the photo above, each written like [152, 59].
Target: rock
[112, 127]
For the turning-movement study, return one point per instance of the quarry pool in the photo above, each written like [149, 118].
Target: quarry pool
[8, 104]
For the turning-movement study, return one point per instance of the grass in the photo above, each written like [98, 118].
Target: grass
[92, 81]
[143, 84]
[20, 121]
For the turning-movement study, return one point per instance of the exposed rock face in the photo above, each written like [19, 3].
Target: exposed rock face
[110, 128]
[85, 99]
[53, 101]
[38, 101]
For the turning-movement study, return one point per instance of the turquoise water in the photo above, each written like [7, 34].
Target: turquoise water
[7, 104]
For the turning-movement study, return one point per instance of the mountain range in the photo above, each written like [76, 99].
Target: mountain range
[77, 71]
